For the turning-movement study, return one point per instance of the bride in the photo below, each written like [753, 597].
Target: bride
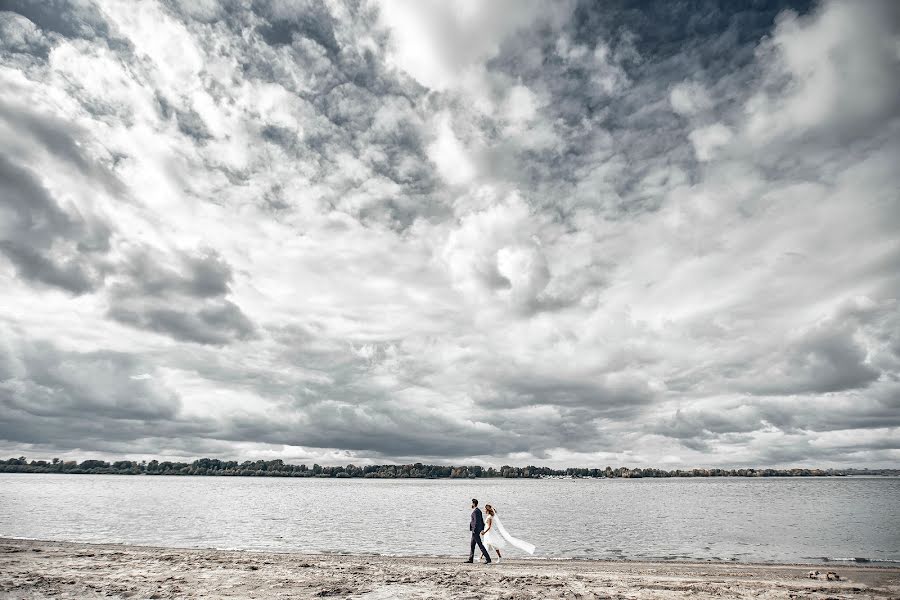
[497, 538]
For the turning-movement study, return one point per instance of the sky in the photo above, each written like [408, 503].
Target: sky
[508, 232]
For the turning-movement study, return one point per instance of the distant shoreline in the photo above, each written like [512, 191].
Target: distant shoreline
[469, 479]
[42, 569]
[211, 467]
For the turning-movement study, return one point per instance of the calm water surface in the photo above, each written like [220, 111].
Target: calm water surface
[777, 520]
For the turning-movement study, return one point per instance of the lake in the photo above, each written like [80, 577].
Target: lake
[758, 520]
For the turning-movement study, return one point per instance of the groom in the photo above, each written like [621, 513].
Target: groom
[476, 526]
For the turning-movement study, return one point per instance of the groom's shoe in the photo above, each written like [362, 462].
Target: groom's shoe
[469, 561]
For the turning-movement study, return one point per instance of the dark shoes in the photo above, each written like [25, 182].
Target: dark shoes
[469, 561]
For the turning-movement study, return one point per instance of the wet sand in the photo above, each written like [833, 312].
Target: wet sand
[34, 570]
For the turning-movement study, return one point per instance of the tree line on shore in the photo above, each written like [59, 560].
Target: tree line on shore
[277, 468]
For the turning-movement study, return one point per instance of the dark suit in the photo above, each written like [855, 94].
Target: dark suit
[476, 526]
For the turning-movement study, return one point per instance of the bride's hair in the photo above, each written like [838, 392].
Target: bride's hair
[489, 509]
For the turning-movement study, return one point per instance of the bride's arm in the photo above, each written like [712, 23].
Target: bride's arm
[490, 523]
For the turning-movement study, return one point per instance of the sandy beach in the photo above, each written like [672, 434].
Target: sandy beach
[37, 569]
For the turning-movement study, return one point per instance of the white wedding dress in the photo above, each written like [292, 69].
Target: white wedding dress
[498, 538]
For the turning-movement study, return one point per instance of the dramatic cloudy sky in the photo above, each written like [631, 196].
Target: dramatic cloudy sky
[500, 232]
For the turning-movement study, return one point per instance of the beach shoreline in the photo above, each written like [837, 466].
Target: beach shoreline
[36, 569]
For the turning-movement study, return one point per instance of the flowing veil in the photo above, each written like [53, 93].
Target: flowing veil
[520, 544]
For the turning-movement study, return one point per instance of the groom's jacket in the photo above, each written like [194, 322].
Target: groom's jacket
[477, 522]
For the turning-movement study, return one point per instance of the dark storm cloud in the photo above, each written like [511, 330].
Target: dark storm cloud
[577, 429]
[670, 32]
[792, 415]
[65, 20]
[597, 394]
[282, 136]
[107, 434]
[691, 425]
[33, 132]
[375, 424]
[802, 450]
[69, 18]
[104, 400]
[21, 41]
[186, 300]
[45, 243]
[335, 405]
[31, 264]
[40, 380]
[309, 19]
[384, 429]
[204, 275]
[219, 323]
[189, 122]
[824, 360]
[615, 72]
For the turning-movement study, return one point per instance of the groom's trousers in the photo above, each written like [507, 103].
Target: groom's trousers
[476, 540]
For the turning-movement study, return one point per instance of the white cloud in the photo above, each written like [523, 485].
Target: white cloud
[19, 35]
[689, 98]
[492, 245]
[437, 42]
[521, 104]
[708, 140]
[835, 73]
[452, 157]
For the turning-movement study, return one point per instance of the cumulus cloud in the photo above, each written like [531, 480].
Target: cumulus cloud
[470, 231]
[833, 73]
[41, 380]
[45, 242]
[75, 399]
[438, 43]
[450, 155]
[494, 253]
[708, 140]
[689, 98]
[187, 300]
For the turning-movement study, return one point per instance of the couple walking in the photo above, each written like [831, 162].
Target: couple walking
[490, 531]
